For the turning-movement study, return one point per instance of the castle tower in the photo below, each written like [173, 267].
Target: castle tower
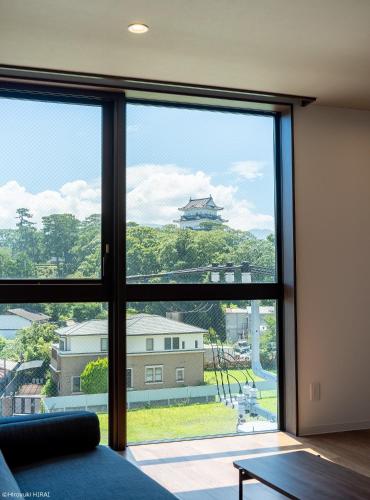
[199, 211]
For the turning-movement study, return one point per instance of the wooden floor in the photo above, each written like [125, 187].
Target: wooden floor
[202, 469]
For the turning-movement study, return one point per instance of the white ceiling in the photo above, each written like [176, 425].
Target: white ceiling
[309, 47]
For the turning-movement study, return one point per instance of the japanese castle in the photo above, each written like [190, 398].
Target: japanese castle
[199, 211]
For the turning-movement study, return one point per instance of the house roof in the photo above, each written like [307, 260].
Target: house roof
[30, 316]
[138, 324]
[91, 327]
[201, 203]
[152, 324]
[29, 390]
[29, 365]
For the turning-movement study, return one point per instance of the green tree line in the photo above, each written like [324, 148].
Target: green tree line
[64, 247]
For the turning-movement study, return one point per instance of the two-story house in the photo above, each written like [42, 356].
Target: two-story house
[161, 353]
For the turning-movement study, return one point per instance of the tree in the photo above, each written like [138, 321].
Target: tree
[268, 343]
[60, 234]
[28, 240]
[2, 345]
[6, 262]
[50, 388]
[86, 252]
[58, 312]
[94, 378]
[34, 342]
[89, 310]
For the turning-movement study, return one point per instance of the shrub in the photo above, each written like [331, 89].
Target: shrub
[94, 378]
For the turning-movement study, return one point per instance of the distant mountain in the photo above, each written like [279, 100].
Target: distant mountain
[261, 234]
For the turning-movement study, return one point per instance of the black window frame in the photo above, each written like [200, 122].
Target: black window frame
[110, 93]
[18, 290]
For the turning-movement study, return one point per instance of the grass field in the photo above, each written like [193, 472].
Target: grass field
[240, 375]
[176, 422]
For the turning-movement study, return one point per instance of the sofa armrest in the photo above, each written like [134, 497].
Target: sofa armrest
[28, 438]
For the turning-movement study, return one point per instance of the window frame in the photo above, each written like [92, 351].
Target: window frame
[71, 290]
[114, 93]
[73, 377]
[131, 386]
[146, 344]
[62, 342]
[154, 368]
[104, 339]
[183, 375]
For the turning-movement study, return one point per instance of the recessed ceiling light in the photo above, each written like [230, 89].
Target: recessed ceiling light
[138, 28]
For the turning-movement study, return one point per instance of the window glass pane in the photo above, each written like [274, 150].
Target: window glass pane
[167, 343]
[176, 343]
[149, 374]
[129, 378]
[51, 352]
[228, 370]
[50, 190]
[104, 345]
[158, 374]
[200, 196]
[149, 344]
[179, 374]
[76, 384]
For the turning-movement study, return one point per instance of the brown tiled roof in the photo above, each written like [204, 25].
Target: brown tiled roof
[29, 390]
[201, 203]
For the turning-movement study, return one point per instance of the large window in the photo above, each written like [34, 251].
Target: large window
[142, 234]
[50, 190]
[225, 382]
[200, 196]
[200, 211]
[51, 359]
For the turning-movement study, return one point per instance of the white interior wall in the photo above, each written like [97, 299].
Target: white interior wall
[332, 197]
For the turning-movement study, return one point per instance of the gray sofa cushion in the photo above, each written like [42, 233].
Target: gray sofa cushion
[97, 474]
[28, 438]
[8, 485]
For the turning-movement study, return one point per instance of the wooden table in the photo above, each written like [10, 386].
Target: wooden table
[304, 476]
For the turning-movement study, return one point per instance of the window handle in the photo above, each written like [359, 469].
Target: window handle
[105, 258]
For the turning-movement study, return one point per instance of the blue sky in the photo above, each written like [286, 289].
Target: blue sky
[50, 161]
[235, 150]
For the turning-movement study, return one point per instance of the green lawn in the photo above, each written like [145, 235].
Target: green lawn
[176, 422]
[268, 400]
[240, 375]
[103, 419]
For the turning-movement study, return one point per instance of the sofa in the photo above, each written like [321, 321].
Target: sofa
[58, 456]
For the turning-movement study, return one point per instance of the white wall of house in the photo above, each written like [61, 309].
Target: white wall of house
[332, 199]
[137, 343]
[85, 343]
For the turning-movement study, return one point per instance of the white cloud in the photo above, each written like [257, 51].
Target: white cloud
[248, 169]
[156, 191]
[77, 197]
[154, 194]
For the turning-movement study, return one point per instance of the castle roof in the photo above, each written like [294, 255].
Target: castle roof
[201, 203]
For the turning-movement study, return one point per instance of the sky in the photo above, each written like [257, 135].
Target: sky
[50, 162]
